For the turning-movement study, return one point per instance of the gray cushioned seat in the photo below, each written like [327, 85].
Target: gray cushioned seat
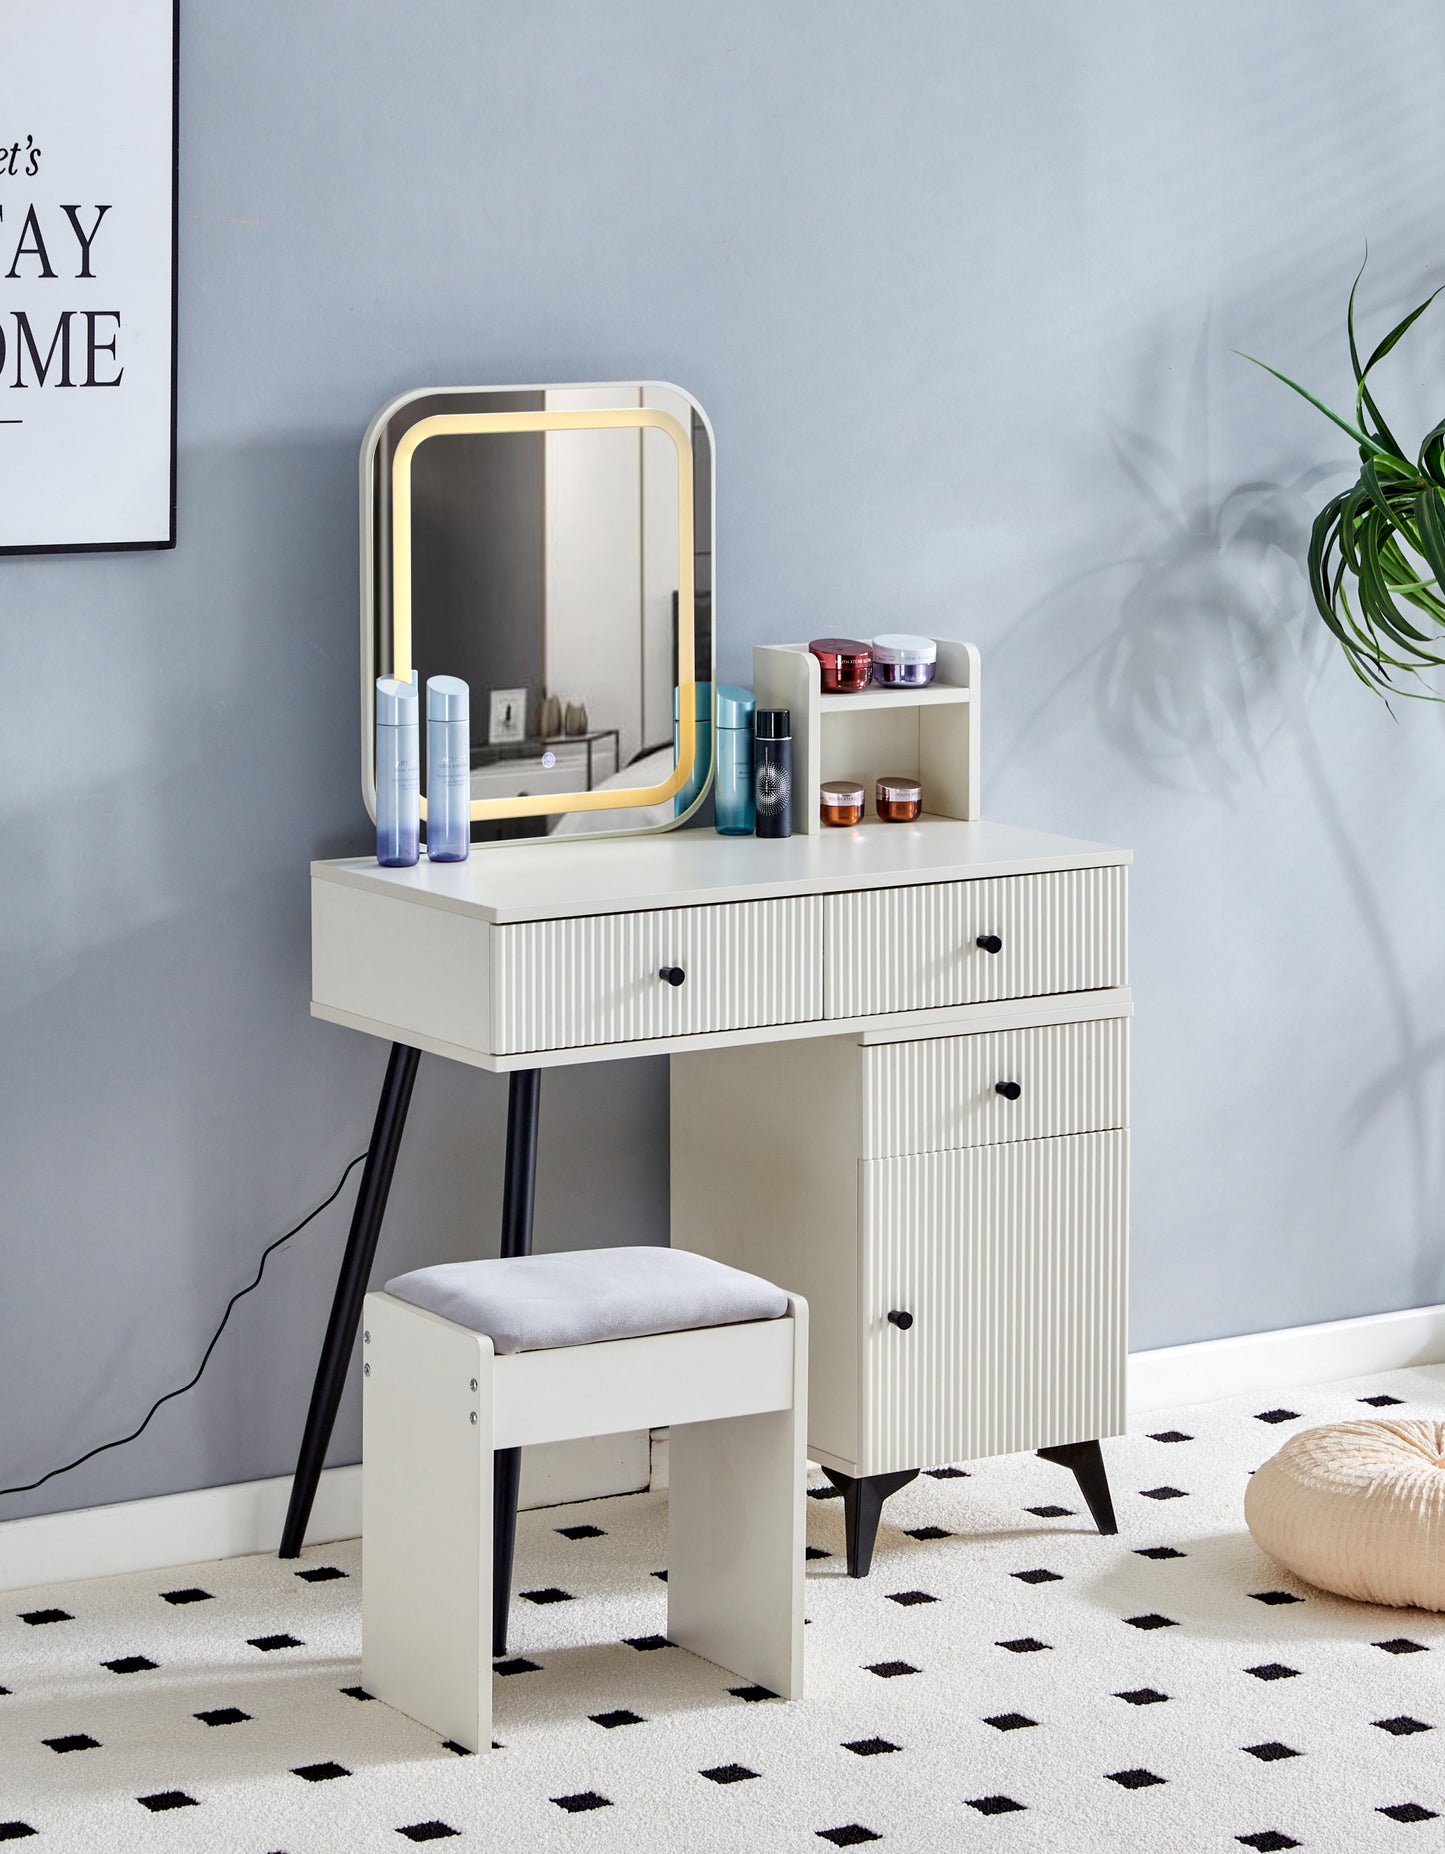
[533, 1303]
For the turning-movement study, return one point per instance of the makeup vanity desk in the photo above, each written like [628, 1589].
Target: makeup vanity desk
[898, 1088]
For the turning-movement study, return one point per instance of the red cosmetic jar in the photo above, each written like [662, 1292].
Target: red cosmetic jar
[847, 664]
[899, 801]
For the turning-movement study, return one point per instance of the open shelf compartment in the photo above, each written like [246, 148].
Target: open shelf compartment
[930, 734]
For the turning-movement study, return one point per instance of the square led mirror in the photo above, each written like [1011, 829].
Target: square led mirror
[551, 546]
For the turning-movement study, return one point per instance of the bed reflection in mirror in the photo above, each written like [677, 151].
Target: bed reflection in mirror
[545, 572]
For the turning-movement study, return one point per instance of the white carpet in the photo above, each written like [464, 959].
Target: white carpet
[1018, 1684]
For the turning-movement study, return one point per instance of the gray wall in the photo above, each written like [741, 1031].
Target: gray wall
[958, 286]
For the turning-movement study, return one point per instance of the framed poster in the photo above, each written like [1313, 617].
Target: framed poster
[88, 275]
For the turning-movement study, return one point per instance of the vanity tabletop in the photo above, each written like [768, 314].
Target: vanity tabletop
[692, 868]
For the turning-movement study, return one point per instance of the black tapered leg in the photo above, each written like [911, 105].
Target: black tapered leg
[350, 1290]
[519, 1193]
[506, 1477]
[1085, 1461]
[863, 1498]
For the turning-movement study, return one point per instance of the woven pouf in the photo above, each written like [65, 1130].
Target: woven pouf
[1358, 1508]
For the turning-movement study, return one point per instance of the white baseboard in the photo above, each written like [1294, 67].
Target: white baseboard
[1260, 1362]
[228, 1522]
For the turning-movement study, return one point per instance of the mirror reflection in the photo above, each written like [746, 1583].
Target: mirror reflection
[545, 574]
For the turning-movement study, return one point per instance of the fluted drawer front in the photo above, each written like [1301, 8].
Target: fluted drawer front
[942, 1092]
[568, 984]
[1011, 1260]
[912, 949]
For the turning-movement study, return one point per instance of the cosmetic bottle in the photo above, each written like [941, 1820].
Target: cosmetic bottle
[448, 770]
[773, 772]
[398, 785]
[733, 788]
[702, 747]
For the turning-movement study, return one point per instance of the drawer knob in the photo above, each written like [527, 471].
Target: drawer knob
[673, 974]
[990, 942]
[900, 1319]
[1009, 1090]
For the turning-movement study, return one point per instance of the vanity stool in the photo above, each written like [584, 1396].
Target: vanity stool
[472, 1358]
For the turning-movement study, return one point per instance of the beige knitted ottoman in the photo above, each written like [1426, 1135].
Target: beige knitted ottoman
[1358, 1508]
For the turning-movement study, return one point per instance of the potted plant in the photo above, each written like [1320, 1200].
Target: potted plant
[1377, 549]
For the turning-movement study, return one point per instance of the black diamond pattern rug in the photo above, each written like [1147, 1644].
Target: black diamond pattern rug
[1005, 1679]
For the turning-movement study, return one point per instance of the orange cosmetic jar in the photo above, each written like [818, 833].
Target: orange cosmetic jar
[840, 801]
[899, 801]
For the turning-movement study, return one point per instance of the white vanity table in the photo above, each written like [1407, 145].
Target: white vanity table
[898, 1051]
[898, 1088]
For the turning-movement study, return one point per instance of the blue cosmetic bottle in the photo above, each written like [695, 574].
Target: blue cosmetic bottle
[702, 754]
[448, 770]
[398, 769]
[732, 792]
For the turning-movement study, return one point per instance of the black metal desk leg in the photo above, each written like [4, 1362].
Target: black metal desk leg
[519, 1192]
[350, 1290]
[1085, 1461]
[863, 1499]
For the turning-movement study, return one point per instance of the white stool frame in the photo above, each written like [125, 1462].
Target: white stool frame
[436, 1403]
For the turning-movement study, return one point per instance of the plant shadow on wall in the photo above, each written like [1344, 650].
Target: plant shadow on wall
[1207, 664]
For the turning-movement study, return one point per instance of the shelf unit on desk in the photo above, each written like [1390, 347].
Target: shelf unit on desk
[930, 734]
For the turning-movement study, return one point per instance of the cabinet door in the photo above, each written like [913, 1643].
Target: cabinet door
[567, 984]
[1011, 1261]
[915, 948]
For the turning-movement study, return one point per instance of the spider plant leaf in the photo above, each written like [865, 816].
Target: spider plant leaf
[1375, 490]
[1379, 621]
[1432, 454]
[1360, 648]
[1324, 537]
[1406, 583]
[1430, 527]
[1365, 442]
[1400, 328]
[1376, 596]
[1365, 403]
[1364, 399]
[1350, 318]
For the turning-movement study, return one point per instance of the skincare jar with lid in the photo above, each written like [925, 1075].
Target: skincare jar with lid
[847, 664]
[898, 800]
[904, 662]
[840, 801]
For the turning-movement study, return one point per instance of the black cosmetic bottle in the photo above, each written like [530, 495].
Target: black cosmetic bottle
[773, 771]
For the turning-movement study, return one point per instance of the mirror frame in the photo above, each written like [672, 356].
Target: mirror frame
[468, 423]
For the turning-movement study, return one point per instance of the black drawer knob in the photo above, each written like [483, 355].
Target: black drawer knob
[1009, 1090]
[673, 974]
[901, 1320]
[990, 942]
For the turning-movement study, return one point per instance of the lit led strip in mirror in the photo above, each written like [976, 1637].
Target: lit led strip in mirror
[458, 424]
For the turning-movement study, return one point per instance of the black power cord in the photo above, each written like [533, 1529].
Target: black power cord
[121, 1441]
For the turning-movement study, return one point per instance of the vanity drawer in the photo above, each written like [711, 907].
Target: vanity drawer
[1011, 1261]
[570, 984]
[912, 949]
[943, 1092]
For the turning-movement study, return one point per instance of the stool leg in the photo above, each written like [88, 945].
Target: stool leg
[506, 1477]
[863, 1498]
[519, 1192]
[1085, 1461]
[736, 1531]
[426, 1538]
